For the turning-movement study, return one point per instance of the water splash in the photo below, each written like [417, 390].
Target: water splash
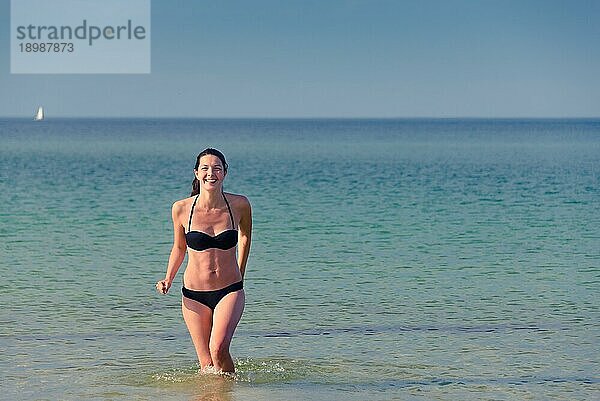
[265, 371]
[248, 370]
[177, 375]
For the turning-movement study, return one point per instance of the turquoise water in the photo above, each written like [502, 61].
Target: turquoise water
[391, 259]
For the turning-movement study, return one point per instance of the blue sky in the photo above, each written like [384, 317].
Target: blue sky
[340, 59]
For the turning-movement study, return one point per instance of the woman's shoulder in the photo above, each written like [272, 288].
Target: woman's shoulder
[236, 200]
[181, 204]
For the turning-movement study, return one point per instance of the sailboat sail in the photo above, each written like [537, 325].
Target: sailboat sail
[39, 116]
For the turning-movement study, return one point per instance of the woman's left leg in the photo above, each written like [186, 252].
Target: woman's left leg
[226, 317]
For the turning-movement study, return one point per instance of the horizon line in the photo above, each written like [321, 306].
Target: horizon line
[59, 117]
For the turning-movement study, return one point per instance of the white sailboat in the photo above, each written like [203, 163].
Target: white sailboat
[39, 116]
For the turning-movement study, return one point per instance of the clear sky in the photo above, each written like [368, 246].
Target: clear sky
[334, 58]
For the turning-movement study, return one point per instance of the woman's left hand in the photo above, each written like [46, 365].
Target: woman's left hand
[163, 286]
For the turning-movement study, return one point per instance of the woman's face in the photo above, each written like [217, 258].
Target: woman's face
[210, 173]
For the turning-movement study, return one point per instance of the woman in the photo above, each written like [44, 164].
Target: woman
[209, 225]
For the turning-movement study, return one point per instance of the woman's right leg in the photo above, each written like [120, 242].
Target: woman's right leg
[198, 319]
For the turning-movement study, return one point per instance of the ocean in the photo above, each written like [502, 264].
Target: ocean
[393, 259]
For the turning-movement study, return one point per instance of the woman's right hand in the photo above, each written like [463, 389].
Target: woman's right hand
[163, 286]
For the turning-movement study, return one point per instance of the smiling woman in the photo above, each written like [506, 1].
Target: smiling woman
[213, 295]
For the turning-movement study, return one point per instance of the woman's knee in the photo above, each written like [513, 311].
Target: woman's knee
[219, 350]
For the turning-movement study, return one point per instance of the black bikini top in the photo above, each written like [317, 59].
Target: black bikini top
[200, 241]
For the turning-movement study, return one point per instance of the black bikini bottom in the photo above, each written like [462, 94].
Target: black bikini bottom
[211, 298]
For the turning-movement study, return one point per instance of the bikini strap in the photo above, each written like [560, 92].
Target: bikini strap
[228, 208]
[192, 212]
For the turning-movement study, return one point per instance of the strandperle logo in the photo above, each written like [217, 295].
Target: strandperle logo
[80, 37]
[84, 31]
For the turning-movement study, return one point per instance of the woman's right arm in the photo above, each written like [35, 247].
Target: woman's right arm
[177, 252]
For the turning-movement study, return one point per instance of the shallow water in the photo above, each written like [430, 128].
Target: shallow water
[391, 259]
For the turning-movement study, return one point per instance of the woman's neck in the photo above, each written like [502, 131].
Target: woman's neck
[211, 199]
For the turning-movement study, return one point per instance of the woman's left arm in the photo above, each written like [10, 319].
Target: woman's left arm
[244, 233]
